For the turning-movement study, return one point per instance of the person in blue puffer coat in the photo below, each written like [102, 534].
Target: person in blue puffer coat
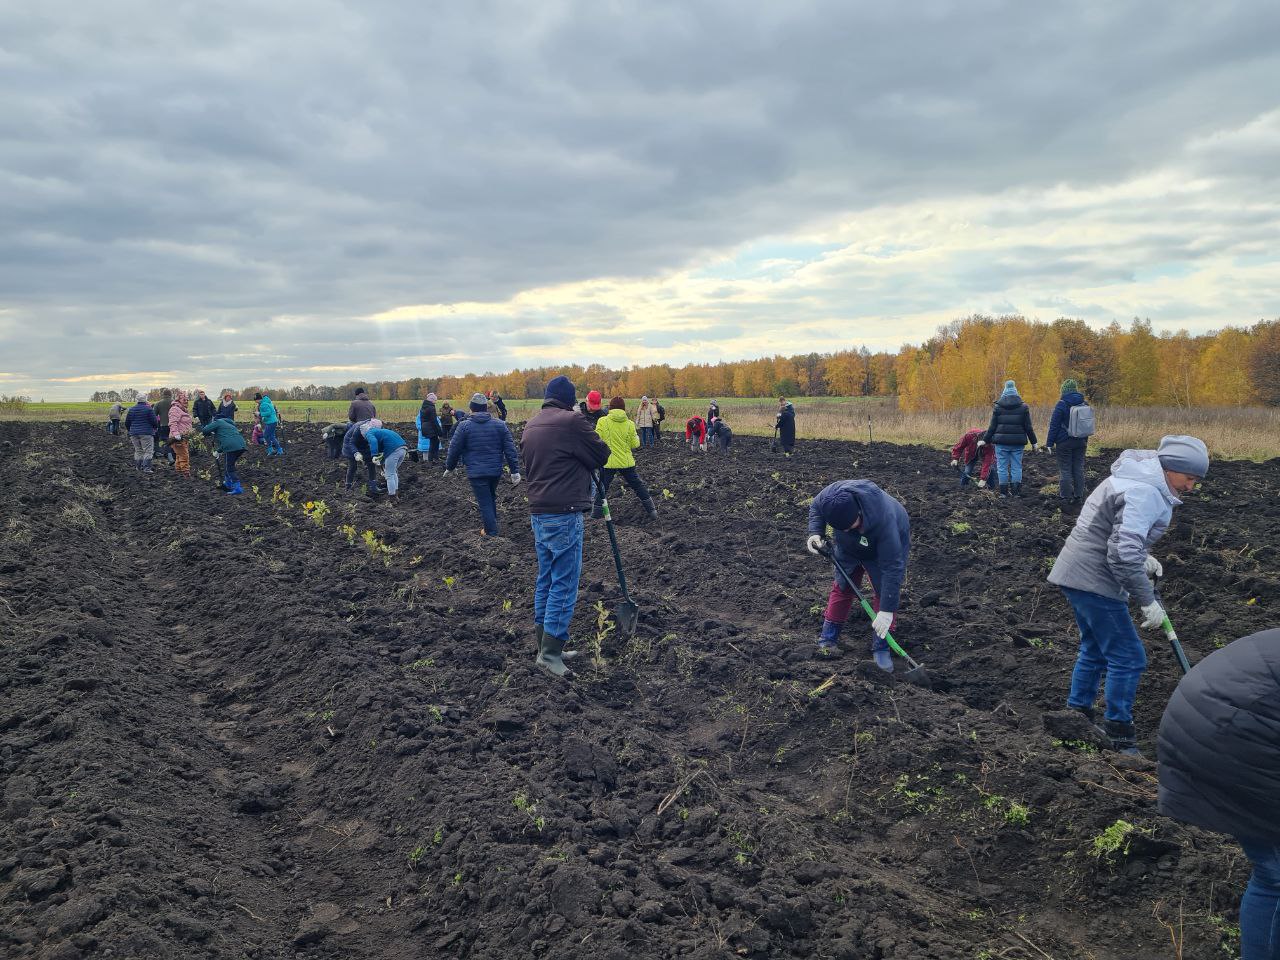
[1068, 449]
[141, 423]
[1010, 431]
[872, 535]
[387, 448]
[482, 444]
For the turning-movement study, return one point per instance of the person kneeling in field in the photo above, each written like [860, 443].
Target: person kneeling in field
[719, 434]
[387, 448]
[229, 445]
[975, 457]
[1106, 562]
[1219, 753]
[333, 435]
[482, 444]
[620, 434]
[872, 535]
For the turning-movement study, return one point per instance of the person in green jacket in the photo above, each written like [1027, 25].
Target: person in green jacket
[270, 421]
[619, 433]
[229, 447]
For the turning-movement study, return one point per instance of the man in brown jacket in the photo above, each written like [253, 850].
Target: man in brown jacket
[361, 408]
[561, 451]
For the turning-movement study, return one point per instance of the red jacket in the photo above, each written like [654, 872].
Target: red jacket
[695, 427]
[966, 451]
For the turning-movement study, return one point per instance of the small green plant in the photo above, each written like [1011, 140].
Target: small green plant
[506, 606]
[280, 497]
[449, 582]
[436, 715]
[530, 809]
[315, 511]
[1018, 814]
[667, 494]
[1115, 839]
[438, 837]
[257, 495]
[960, 527]
[376, 547]
[604, 627]
[415, 855]
[457, 878]
[348, 531]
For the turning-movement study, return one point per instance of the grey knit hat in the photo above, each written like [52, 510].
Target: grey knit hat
[479, 402]
[1184, 455]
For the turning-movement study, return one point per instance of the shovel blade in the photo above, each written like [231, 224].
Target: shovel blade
[917, 675]
[627, 613]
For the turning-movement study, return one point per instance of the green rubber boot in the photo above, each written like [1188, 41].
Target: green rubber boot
[550, 655]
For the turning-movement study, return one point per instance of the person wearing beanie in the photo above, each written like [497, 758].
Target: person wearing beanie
[180, 424]
[361, 408]
[355, 450]
[561, 451]
[270, 422]
[141, 424]
[1106, 564]
[872, 535]
[1068, 437]
[719, 434]
[483, 445]
[713, 410]
[785, 426]
[429, 428]
[620, 434]
[591, 408]
[645, 423]
[1219, 753]
[1010, 430]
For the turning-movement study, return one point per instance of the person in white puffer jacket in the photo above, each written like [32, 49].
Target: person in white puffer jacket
[1106, 563]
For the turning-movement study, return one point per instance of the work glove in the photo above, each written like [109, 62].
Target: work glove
[982, 443]
[815, 544]
[955, 463]
[881, 624]
[515, 478]
[703, 447]
[446, 473]
[359, 458]
[981, 484]
[1151, 567]
[1153, 615]
[378, 458]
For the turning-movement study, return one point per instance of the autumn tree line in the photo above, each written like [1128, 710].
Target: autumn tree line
[963, 365]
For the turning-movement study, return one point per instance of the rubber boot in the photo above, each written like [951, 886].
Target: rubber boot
[538, 633]
[1017, 489]
[829, 639]
[649, 508]
[236, 488]
[881, 654]
[1123, 737]
[1004, 491]
[550, 652]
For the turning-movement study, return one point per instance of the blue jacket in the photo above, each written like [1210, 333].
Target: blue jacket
[881, 545]
[268, 411]
[353, 443]
[382, 440]
[141, 420]
[1058, 435]
[482, 443]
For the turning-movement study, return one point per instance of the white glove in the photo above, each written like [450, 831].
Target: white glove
[955, 463]
[703, 448]
[881, 624]
[981, 484]
[1153, 615]
[982, 443]
[814, 544]
[1151, 567]
[359, 458]
[515, 478]
[378, 458]
[446, 473]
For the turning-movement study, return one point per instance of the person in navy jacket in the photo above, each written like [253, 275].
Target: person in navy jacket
[872, 535]
[1068, 449]
[483, 444]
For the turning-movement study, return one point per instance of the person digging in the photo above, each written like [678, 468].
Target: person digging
[871, 536]
[1106, 563]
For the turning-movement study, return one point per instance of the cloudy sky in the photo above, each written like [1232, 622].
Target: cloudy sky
[228, 192]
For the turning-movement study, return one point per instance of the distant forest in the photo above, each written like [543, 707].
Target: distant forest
[963, 365]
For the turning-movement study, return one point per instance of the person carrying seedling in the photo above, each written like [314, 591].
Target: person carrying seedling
[561, 451]
[872, 535]
[483, 444]
[1010, 431]
[620, 434]
[974, 459]
[141, 424]
[332, 435]
[1070, 428]
[785, 424]
[270, 423]
[180, 425]
[695, 432]
[719, 434]
[388, 449]
[203, 409]
[1105, 564]
[355, 449]
[1219, 755]
[229, 446]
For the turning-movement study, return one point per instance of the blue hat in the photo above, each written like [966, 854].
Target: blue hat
[1010, 389]
[1184, 455]
[561, 390]
[842, 510]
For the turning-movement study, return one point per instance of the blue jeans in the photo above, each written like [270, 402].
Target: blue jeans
[391, 466]
[1008, 464]
[970, 471]
[646, 436]
[1109, 643]
[1260, 905]
[486, 491]
[558, 540]
[269, 435]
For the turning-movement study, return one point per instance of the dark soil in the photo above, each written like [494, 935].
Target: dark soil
[225, 731]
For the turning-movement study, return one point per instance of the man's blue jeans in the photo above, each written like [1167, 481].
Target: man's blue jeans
[269, 435]
[1008, 463]
[558, 540]
[486, 491]
[1260, 905]
[1109, 643]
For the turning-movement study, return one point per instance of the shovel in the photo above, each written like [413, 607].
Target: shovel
[916, 672]
[627, 613]
[773, 444]
[1172, 636]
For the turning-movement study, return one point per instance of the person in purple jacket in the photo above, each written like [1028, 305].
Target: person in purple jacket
[872, 536]
[141, 423]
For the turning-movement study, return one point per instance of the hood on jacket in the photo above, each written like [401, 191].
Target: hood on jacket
[1073, 398]
[1009, 401]
[1144, 467]
[618, 416]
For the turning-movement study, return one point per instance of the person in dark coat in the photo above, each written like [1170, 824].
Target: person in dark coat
[786, 425]
[333, 436]
[162, 433]
[483, 444]
[227, 408]
[719, 434]
[592, 408]
[713, 411]
[353, 443]
[1219, 768]
[1010, 431]
[1068, 449]
[361, 408]
[203, 408]
[872, 535]
[429, 427]
[141, 424]
[447, 420]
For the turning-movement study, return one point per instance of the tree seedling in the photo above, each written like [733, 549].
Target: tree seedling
[316, 511]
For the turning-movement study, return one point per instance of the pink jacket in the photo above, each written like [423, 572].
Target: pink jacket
[179, 421]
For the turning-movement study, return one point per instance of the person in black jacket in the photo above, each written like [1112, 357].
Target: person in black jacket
[786, 425]
[203, 409]
[430, 427]
[1219, 754]
[498, 405]
[1010, 431]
